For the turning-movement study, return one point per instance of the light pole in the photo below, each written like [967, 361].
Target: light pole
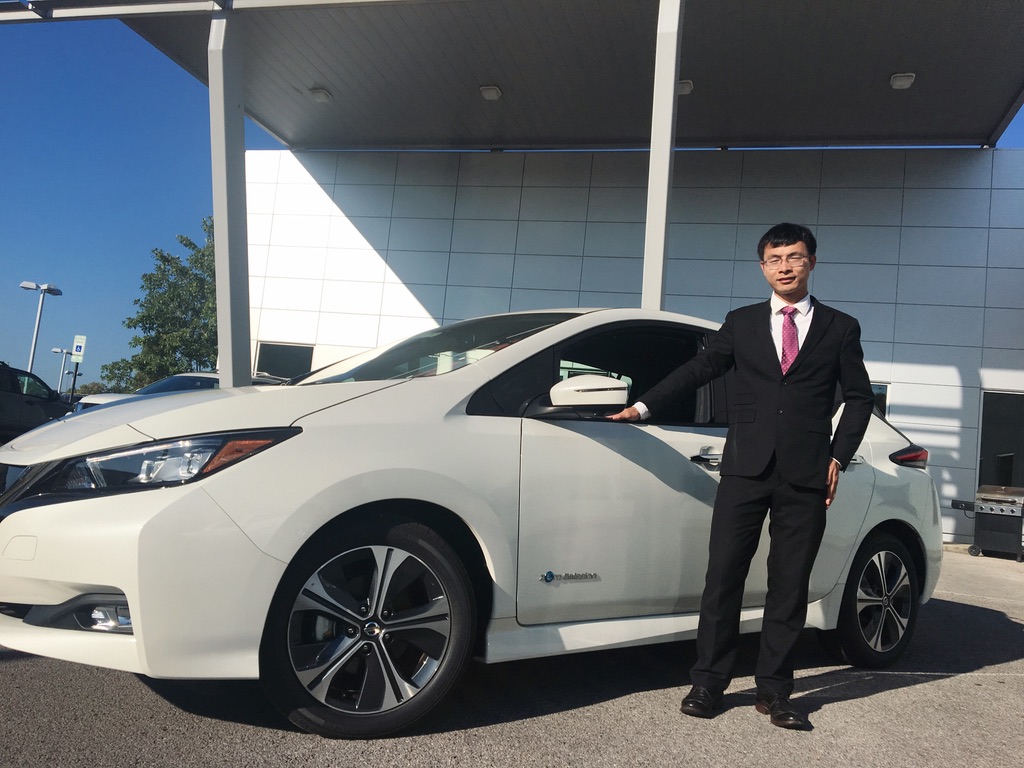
[64, 358]
[44, 288]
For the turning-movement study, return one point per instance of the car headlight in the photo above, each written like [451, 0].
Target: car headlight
[149, 465]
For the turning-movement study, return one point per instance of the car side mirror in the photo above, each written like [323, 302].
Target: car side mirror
[579, 397]
[589, 389]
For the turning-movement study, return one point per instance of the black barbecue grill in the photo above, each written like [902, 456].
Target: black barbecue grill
[998, 520]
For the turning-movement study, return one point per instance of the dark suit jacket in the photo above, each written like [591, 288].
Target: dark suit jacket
[789, 416]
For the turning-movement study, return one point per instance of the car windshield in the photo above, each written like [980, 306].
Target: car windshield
[179, 383]
[439, 350]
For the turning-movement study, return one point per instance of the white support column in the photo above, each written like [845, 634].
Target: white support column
[663, 125]
[227, 151]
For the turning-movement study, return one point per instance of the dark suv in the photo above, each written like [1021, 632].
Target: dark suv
[25, 402]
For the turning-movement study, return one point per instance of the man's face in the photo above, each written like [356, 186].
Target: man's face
[787, 269]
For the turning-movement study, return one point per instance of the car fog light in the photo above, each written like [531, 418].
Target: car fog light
[111, 618]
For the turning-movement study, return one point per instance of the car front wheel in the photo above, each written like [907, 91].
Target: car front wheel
[368, 631]
[880, 605]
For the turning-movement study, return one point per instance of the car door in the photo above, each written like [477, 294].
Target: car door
[615, 517]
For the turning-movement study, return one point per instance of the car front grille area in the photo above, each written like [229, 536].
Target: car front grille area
[104, 613]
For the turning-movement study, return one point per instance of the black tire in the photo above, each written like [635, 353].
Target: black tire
[880, 605]
[974, 550]
[369, 629]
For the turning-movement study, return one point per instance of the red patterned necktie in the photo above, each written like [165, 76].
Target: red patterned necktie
[790, 339]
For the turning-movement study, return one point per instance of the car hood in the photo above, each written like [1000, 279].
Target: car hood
[187, 413]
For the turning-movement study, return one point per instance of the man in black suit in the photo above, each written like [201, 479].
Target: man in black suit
[789, 355]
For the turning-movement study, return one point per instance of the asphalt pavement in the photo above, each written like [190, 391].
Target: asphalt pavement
[955, 699]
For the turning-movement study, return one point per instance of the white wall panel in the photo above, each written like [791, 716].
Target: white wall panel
[422, 267]
[701, 241]
[946, 207]
[366, 167]
[358, 264]
[420, 235]
[551, 237]
[612, 275]
[944, 406]
[300, 230]
[554, 204]
[296, 261]
[487, 203]
[713, 308]
[363, 232]
[430, 168]
[619, 169]
[782, 169]
[693, 277]
[614, 240]
[288, 293]
[857, 244]
[950, 246]
[472, 236]
[258, 228]
[424, 202]
[942, 285]
[704, 206]
[472, 302]
[1004, 328]
[396, 328]
[352, 330]
[402, 300]
[617, 204]
[487, 169]
[1008, 169]
[1005, 288]
[259, 197]
[288, 326]
[954, 169]
[879, 207]
[1002, 370]
[344, 296]
[261, 166]
[855, 282]
[924, 364]
[490, 270]
[877, 320]
[944, 326]
[767, 206]
[708, 168]
[1006, 247]
[523, 299]
[609, 299]
[553, 272]
[875, 169]
[1007, 208]
[557, 169]
[298, 167]
[305, 200]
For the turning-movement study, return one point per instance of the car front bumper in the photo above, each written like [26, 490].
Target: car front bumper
[196, 587]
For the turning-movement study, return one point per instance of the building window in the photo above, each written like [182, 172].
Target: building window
[1002, 439]
[285, 360]
[881, 392]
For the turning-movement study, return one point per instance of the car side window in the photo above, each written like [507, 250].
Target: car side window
[33, 386]
[640, 354]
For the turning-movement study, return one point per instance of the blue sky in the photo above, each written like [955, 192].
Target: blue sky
[106, 156]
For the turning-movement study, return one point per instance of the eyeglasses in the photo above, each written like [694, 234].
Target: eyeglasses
[792, 259]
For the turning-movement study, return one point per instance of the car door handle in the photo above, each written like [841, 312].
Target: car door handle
[857, 459]
[710, 460]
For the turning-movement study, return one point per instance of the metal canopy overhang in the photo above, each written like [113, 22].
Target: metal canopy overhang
[578, 73]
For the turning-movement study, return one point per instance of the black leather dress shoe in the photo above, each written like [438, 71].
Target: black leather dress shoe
[701, 702]
[781, 711]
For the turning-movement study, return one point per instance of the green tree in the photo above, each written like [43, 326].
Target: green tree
[91, 388]
[176, 321]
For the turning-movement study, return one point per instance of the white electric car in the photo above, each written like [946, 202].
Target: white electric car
[354, 538]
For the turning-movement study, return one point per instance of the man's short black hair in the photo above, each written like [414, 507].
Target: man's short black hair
[787, 234]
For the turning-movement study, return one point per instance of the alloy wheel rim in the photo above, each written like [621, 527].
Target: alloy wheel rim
[884, 601]
[369, 630]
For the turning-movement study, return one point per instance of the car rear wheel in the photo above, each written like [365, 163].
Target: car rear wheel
[880, 605]
[368, 631]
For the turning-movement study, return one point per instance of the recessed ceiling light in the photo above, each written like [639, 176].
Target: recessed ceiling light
[902, 80]
[684, 87]
[490, 92]
[320, 95]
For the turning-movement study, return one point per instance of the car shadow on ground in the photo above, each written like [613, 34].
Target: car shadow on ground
[950, 639]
